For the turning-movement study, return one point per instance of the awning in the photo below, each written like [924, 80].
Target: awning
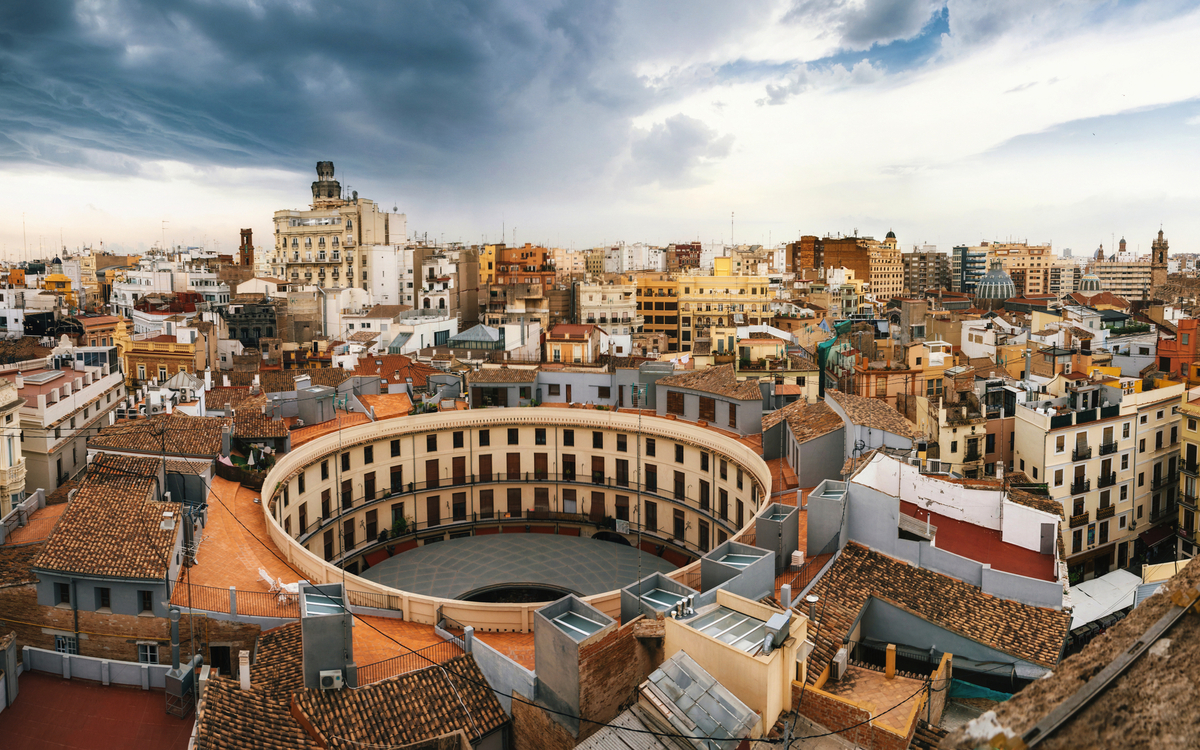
[1157, 535]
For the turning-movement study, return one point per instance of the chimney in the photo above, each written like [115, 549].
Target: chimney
[225, 379]
[244, 669]
[207, 379]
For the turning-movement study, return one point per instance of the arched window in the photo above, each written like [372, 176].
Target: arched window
[321, 242]
[308, 241]
[441, 304]
[335, 241]
[295, 242]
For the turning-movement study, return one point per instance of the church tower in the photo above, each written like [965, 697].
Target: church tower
[327, 192]
[246, 249]
[1158, 263]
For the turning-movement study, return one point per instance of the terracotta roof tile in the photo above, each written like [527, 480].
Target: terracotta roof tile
[282, 381]
[394, 369]
[806, 421]
[874, 413]
[407, 708]
[721, 380]
[386, 311]
[16, 563]
[235, 719]
[112, 528]
[250, 423]
[502, 375]
[177, 434]
[279, 660]
[1031, 633]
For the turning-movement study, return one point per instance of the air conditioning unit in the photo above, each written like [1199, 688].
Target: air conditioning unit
[837, 667]
[331, 679]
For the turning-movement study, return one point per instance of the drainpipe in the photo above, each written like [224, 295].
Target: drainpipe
[75, 609]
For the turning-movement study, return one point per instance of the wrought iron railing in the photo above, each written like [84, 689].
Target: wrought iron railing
[437, 653]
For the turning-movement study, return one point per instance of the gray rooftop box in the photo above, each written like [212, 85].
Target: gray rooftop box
[653, 595]
[777, 528]
[739, 569]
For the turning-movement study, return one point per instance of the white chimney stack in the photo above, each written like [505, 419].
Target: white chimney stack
[244, 669]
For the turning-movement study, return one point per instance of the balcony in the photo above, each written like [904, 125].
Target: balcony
[1081, 453]
[1166, 481]
[1107, 480]
[1168, 511]
[1190, 467]
[1188, 501]
[1080, 520]
[1081, 486]
[1105, 512]
[13, 476]
[1108, 448]
[973, 454]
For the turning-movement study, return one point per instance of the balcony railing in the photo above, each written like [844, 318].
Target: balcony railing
[972, 455]
[1107, 448]
[1188, 501]
[1081, 453]
[1165, 481]
[1080, 486]
[1105, 512]
[1081, 519]
[1169, 510]
[1190, 467]
[1107, 480]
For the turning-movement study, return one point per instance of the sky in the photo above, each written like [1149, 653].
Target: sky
[577, 124]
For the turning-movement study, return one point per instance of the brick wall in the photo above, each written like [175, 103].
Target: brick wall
[833, 714]
[113, 636]
[534, 729]
[609, 671]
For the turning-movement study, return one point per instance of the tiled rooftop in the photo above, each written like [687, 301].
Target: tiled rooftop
[1031, 633]
[112, 528]
[874, 413]
[282, 381]
[395, 369]
[176, 434]
[502, 375]
[250, 423]
[720, 380]
[806, 421]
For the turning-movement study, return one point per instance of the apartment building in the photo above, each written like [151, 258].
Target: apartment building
[925, 269]
[612, 306]
[524, 277]
[877, 262]
[1029, 266]
[1189, 465]
[967, 266]
[321, 246]
[12, 460]
[65, 398]
[658, 305]
[722, 300]
[569, 264]
[842, 295]
[449, 280]
[1107, 449]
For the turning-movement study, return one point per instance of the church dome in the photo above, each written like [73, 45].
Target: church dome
[1089, 284]
[995, 285]
[890, 235]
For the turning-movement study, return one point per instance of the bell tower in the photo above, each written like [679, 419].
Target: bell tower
[246, 249]
[327, 192]
[1158, 263]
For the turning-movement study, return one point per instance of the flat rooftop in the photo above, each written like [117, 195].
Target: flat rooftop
[875, 691]
[51, 712]
[984, 545]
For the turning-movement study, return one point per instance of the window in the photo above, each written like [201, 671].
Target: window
[514, 436]
[649, 446]
[66, 644]
[524, 392]
[1124, 461]
[1159, 415]
[991, 443]
[395, 447]
[369, 454]
[651, 515]
[458, 439]
[954, 446]
[1125, 430]
[703, 461]
[1124, 492]
[103, 597]
[622, 443]
[1076, 540]
[62, 593]
[324, 469]
[1192, 425]
[1141, 479]
[300, 482]
[598, 440]
[325, 498]
[568, 438]
[733, 416]
[327, 540]
[148, 653]
[704, 495]
[604, 391]
[739, 478]
[431, 443]
[555, 389]
[708, 409]
[724, 469]
[1142, 445]
[485, 438]
[346, 461]
[146, 601]
[675, 403]
[1058, 477]
[651, 478]
[539, 436]
[1060, 444]
[1142, 419]
[723, 506]
[1035, 472]
[678, 453]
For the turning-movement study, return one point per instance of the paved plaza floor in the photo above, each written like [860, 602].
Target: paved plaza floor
[456, 567]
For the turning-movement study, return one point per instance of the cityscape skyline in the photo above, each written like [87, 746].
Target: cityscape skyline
[945, 123]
